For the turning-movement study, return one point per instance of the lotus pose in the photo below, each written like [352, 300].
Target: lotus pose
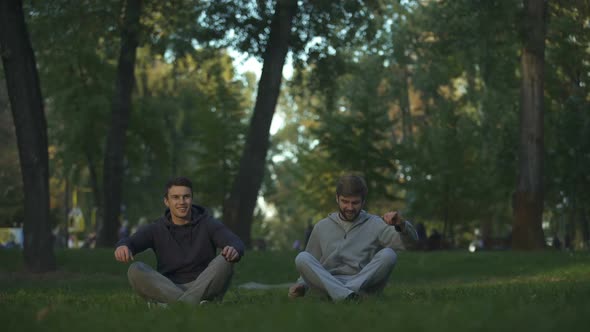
[350, 254]
[185, 240]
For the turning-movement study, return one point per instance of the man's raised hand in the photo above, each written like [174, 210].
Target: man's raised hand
[394, 218]
[123, 254]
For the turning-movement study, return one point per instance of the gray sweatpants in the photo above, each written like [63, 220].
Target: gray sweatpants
[211, 284]
[371, 279]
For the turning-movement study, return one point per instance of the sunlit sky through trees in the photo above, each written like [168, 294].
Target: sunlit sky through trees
[245, 63]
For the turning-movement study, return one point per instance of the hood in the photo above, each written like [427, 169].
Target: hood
[361, 218]
[197, 214]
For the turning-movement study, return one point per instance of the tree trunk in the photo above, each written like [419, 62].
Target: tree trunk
[406, 108]
[121, 109]
[584, 228]
[577, 219]
[527, 233]
[239, 207]
[22, 82]
[486, 231]
[67, 208]
[96, 195]
[175, 142]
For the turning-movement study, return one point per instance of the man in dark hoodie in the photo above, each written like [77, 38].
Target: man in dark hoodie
[185, 241]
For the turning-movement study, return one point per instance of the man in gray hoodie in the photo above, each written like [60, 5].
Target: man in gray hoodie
[351, 252]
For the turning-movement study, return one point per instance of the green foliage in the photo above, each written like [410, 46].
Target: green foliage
[463, 161]
[76, 60]
[567, 121]
[189, 111]
[452, 163]
[349, 111]
[190, 121]
[420, 97]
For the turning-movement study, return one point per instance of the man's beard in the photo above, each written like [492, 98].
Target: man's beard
[345, 217]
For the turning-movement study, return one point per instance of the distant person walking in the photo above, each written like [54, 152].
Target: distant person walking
[350, 253]
[185, 240]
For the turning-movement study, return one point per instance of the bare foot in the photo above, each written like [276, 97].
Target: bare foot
[297, 290]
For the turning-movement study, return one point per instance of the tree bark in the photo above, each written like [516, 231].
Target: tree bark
[486, 231]
[94, 183]
[67, 208]
[24, 91]
[121, 109]
[239, 207]
[527, 233]
[584, 228]
[406, 107]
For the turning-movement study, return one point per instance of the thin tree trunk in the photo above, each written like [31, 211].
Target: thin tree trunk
[94, 183]
[527, 233]
[121, 109]
[67, 208]
[174, 141]
[486, 231]
[573, 221]
[406, 108]
[585, 229]
[446, 208]
[239, 207]
[22, 82]
[580, 231]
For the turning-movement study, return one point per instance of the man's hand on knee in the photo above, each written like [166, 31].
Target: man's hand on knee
[297, 290]
[230, 254]
[123, 254]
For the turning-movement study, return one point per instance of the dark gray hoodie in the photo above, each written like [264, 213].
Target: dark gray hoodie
[183, 251]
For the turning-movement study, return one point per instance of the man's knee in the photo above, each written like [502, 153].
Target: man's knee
[219, 264]
[136, 271]
[136, 268]
[302, 260]
[388, 256]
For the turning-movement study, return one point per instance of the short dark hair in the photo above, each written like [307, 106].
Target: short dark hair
[351, 185]
[180, 181]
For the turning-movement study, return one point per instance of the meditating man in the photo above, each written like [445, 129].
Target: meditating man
[185, 241]
[350, 254]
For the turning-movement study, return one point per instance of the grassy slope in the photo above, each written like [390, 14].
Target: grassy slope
[442, 291]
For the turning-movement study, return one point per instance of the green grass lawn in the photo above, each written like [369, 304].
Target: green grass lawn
[438, 291]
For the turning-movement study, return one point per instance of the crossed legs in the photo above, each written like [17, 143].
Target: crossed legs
[211, 284]
[371, 279]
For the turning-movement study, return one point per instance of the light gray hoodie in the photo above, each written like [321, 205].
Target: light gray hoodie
[344, 252]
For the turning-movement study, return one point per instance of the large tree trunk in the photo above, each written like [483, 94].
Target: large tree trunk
[527, 232]
[22, 81]
[115, 146]
[239, 207]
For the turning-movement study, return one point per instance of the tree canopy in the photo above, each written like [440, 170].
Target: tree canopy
[420, 97]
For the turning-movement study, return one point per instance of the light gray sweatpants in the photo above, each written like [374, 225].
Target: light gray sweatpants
[211, 284]
[371, 279]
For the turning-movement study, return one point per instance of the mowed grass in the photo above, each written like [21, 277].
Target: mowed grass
[428, 291]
